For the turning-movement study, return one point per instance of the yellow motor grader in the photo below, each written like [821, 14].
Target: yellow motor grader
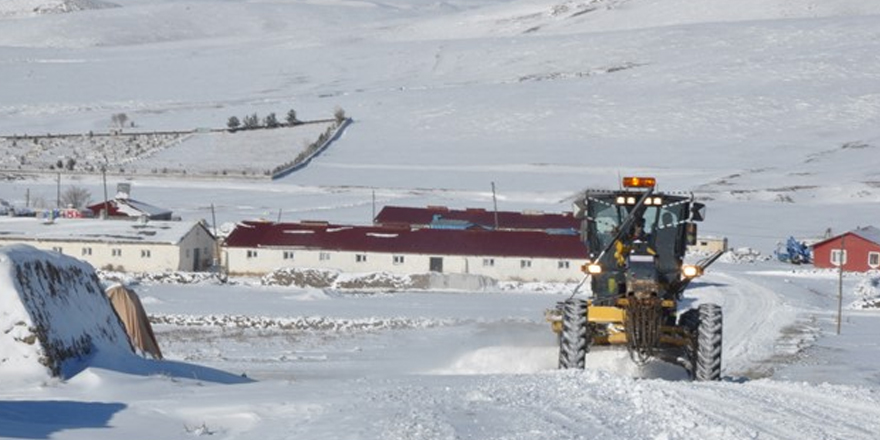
[637, 238]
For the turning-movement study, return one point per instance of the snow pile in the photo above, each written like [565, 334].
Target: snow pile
[742, 255]
[170, 277]
[326, 278]
[868, 291]
[303, 323]
[54, 315]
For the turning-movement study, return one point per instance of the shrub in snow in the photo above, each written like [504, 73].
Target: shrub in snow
[375, 280]
[300, 277]
[868, 291]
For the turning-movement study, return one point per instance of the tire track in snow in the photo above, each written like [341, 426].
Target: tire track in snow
[766, 409]
[754, 317]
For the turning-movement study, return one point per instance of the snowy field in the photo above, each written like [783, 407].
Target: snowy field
[767, 110]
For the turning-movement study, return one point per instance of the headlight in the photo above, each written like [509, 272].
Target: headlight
[691, 271]
[591, 268]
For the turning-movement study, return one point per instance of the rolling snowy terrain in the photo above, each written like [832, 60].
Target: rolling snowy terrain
[767, 110]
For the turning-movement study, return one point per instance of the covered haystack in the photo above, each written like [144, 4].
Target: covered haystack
[54, 315]
[133, 316]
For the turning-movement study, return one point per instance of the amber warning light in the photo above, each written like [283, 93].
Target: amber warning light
[639, 182]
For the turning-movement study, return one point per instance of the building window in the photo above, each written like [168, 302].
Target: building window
[563, 264]
[116, 252]
[488, 262]
[525, 264]
[87, 251]
[58, 249]
[145, 253]
[324, 256]
[398, 259]
[360, 258]
[874, 259]
[288, 255]
[836, 257]
[252, 254]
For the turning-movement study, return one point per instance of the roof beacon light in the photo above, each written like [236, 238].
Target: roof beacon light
[639, 182]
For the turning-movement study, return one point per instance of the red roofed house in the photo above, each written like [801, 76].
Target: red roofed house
[262, 247]
[859, 249]
[443, 217]
[123, 206]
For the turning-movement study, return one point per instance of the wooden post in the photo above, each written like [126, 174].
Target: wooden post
[495, 205]
[840, 281]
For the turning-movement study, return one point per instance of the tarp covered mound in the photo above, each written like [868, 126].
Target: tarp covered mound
[133, 316]
[54, 315]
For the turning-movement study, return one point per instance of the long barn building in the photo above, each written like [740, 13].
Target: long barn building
[256, 248]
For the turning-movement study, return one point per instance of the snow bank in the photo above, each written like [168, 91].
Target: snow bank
[868, 291]
[323, 278]
[742, 255]
[54, 316]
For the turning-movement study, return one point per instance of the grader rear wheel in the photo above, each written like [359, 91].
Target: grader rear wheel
[574, 340]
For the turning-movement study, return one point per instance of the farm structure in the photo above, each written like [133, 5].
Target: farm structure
[131, 209]
[257, 248]
[442, 217]
[859, 250]
[134, 246]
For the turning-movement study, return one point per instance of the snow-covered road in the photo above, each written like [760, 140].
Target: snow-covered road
[456, 365]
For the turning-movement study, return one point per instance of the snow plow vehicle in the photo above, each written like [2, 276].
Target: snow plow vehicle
[636, 239]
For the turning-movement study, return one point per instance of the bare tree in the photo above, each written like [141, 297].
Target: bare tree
[271, 121]
[251, 121]
[339, 115]
[233, 123]
[76, 197]
[291, 117]
[119, 119]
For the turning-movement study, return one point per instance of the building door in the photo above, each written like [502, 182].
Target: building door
[436, 264]
[196, 267]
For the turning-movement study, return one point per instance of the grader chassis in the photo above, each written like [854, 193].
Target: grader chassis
[637, 240]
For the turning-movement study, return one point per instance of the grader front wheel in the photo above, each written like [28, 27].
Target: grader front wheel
[574, 339]
[703, 353]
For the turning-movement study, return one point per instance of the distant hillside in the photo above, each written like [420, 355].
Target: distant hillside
[12, 8]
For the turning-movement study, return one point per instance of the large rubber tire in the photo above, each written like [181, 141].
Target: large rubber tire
[574, 340]
[704, 352]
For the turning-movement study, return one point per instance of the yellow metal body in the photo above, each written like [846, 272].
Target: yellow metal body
[613, 321]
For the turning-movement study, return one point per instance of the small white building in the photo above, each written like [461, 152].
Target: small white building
[257, 248]
[709, 245]
[132, 246]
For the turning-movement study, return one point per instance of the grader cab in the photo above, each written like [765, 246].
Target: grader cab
[637, 238]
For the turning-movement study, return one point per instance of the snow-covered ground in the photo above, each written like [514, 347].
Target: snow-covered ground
[766, 109]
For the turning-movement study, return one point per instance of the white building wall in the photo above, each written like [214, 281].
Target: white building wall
[260, 261]
[196, 250]
[132, 257]
[709, 245]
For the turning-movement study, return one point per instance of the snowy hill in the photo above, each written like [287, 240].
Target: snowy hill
[768, 110]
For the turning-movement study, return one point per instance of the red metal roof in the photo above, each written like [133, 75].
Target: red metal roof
[129, 208]
[506, 219]
[869, 233]
[391, 239]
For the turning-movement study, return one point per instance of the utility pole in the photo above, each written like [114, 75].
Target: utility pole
[841, 260]
[58, 192]
[106, 202]
[495, 205]
[374, 206]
